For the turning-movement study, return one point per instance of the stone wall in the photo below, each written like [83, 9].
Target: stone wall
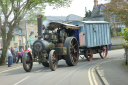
[117, 40]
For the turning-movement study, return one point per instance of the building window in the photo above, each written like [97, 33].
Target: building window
[13, 39]
[101, 19]
[32, 23]
[19, 42]
[19, 31]
[101, 12]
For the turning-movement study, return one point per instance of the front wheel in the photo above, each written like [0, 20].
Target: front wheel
[53, 60]
[103, 51]
[27, 61]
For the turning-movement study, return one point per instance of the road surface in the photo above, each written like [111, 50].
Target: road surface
[81, 74]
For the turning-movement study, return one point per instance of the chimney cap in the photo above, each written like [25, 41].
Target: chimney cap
[39, 16]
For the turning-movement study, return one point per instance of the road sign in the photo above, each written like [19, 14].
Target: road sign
[32, 39]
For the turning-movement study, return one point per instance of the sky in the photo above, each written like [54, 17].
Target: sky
[77, 7]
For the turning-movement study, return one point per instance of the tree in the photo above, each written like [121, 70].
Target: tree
[13, 11]
[118, 8]
[88, 14]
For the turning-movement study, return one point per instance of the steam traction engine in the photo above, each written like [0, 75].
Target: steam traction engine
[54, 44]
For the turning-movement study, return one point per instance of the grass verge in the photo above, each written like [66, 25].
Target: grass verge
[125, 63]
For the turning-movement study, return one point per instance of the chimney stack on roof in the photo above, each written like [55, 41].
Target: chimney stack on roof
[95, 3]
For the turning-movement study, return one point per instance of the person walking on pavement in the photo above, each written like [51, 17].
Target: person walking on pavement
[20, 56]
[13, 54]
[9, 54]
[22, 49]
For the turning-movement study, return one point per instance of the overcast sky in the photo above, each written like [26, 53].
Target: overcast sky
[77, 7]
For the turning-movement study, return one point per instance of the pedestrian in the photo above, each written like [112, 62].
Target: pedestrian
[110, 46]
[17, 55]
[20, 56]
[9, 54]
[29, 49]
[22, 49]
[13, 54]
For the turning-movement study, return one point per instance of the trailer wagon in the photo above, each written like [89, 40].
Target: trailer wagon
[93, 37]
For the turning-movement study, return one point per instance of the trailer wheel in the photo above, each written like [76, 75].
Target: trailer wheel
[27, 61]
[53, 60]
[46, 64]
[103, 51]
[89, 54]
[72, 51]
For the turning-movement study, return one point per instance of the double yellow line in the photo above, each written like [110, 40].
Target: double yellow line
[91, 75]
[91, 72]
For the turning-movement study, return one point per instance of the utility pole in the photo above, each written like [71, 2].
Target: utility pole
[26, 34]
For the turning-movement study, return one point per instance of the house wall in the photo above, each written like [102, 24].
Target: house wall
[15, 44]
[30, 25]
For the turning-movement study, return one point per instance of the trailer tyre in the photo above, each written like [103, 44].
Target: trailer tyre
[88, 54]
[53, 60]
[27, 61]
[103, 51]
[72, 51]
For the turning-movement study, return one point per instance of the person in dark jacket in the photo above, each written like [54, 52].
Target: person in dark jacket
[20, 56]
[9, 54]
[12, 51]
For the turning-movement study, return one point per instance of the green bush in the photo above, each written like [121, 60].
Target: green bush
[125, 34]
[115, 34]
[125, 37]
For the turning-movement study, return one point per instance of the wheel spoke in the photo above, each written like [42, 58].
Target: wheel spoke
[103, 52]
[74, 57]
[74, 45]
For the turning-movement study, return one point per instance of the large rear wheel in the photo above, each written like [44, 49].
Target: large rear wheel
[103, 51]
[72, 51]
[27, 61]
[53, 60]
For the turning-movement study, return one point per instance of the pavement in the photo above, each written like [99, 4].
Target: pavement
[6, 68]
[113, 72]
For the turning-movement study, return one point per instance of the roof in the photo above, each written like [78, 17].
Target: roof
[54, 25]
[90, 22]
[96, 11]
[56, 18]
[16, 31]
[95, 21]
[70, 17]
[18, 28]
[20, 34]
[73, 17]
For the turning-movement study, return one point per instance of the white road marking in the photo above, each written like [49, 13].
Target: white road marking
[39, 78]
[21, 80]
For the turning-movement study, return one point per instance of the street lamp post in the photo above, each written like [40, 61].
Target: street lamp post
[26, 34]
